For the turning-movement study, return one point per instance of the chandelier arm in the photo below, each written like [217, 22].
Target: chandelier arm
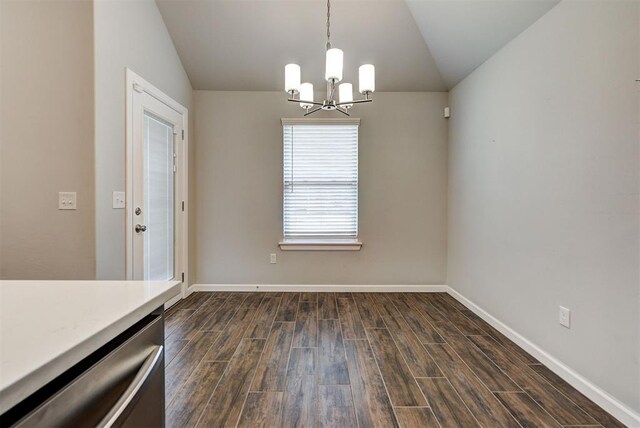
[293, 100]
[343, 111]
[312, 111]
[354, 102]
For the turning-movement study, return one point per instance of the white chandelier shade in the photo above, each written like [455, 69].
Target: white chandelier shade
[292, 78]
[333, 68]
[333, 74]
[367, 77]
[306, 94]
[345, 93]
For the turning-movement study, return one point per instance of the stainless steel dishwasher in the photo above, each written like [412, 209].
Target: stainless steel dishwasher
[120, 385]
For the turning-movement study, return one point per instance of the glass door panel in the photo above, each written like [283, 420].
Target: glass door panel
[159, 189]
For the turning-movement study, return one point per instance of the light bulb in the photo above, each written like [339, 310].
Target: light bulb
[306, 94]
[345, 91]
[333, 70]
[367, 78]
[292, 78]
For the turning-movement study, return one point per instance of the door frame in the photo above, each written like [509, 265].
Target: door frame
[136, 84]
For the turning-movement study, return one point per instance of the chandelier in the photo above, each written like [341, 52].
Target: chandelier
[333, 76]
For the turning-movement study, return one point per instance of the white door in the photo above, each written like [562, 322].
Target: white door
[156, 181]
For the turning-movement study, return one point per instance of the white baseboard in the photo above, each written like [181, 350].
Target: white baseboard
[626, 415]
[323, 288]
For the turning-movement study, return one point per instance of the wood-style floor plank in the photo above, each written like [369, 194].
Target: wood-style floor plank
[550, 399]
[306, 325]
[368, 312]
[194, 300]
[288, 307]
[501, 338]
[493, 378]
[188, 328]
[261, 324]
[452, 301]
[448, 407]
[464, 324]
[190, 401]
[574, 395]
[230, 338]
[309, 297]
[352, 327]
[420, 362]
[332, 364]
[225, 405]
[219, 320]
[271, 373]
[271, 294]
[527, 412]
[179, 370]
[426, 309]
[299, 409]
[327, 306]
[335, 407]
[262, 410]
[346, 295]
[172, 347]
[421, 327]
[401, 386]
[385, 305]
[483, 404]
[416, 417]
[373, 408]
[176, 317]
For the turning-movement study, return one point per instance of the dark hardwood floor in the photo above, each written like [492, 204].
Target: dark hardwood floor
[355, 360]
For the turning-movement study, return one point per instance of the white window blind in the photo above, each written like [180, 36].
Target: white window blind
[320, 181]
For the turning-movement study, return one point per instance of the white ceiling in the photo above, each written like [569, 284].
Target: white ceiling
[416, 45]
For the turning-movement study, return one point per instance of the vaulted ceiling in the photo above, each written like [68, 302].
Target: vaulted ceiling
[416, 45]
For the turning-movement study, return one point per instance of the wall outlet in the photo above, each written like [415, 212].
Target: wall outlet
[118, 200]
[67, 200]
[565, 317]
[273, 259]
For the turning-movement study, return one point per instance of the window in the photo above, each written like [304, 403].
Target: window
[320, 200]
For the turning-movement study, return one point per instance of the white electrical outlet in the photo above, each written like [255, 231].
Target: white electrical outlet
[66, 200]
[565, 317]
[118, 200]
[273, 259]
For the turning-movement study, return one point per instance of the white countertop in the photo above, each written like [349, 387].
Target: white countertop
[46, 327]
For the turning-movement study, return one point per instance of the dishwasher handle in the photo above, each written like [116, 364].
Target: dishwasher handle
[132, 390]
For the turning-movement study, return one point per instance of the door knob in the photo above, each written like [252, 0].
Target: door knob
[140, 228]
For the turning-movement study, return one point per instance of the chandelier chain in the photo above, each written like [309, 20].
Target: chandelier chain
[328, 24]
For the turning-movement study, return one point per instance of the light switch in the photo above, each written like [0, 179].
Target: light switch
[118, 200]
[66, 200]
[564, 317]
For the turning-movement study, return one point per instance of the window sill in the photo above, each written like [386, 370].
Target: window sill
[321, 245]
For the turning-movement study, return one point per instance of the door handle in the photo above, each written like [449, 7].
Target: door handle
[140, 228]
[149, 365]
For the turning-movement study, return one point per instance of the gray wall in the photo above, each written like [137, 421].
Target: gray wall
[127, 34]
[46, 139]
[543, 189]
[403, 152]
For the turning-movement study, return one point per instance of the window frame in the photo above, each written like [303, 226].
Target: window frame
[320, 244]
